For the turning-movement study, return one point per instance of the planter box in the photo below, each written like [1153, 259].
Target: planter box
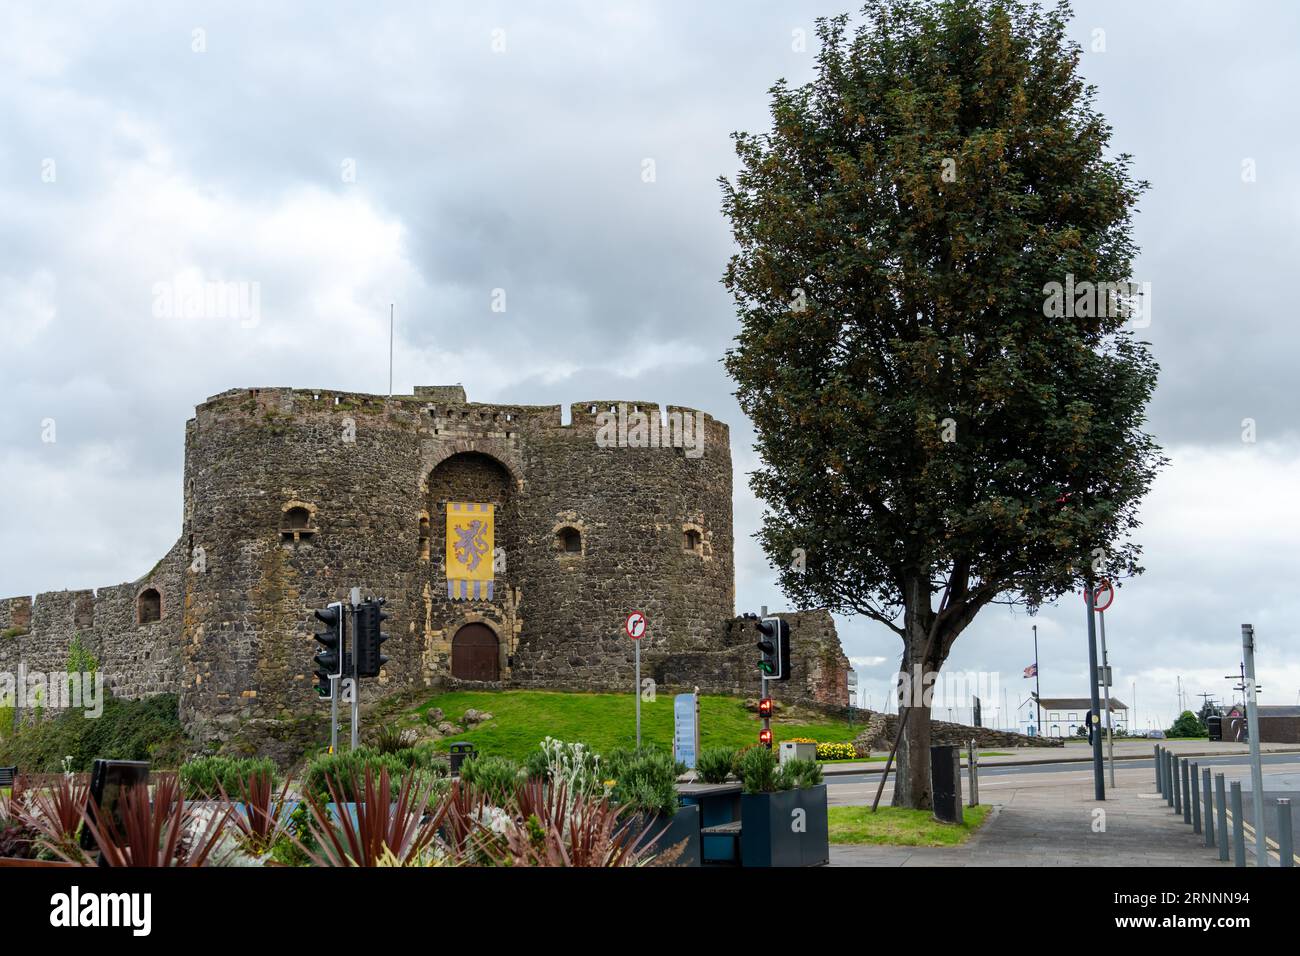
[793, 751]
[667, 832]
[776, 833]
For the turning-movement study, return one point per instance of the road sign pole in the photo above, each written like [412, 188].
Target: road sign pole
[1110, 720]
[1252, 726]
[1098, 775]
[636, 625]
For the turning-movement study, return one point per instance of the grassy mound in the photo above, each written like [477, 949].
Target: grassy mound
[522, 718]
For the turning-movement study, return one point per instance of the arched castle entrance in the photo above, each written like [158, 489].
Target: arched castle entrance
[475, 653]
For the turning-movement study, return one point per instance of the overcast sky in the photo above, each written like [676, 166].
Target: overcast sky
[345, 156]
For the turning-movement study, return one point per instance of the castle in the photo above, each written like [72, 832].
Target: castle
[294, 496]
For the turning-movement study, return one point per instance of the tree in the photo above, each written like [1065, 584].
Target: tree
[935, 419]
[1187, 725]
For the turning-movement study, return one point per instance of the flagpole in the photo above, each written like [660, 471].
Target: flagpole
[1038, 690]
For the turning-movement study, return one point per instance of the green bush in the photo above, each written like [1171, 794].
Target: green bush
[345, 767]
[644, 779]
[537, 766]
[147, 729]
[715, 763]
[799, 774]
[494, 776]
[757, 770]
[391, 738]
[200, 777]
[1187, 725]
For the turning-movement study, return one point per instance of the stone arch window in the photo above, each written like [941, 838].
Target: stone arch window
[569, 540]
[297, 524]
[148, 606]
[425, 538]
[693, 538]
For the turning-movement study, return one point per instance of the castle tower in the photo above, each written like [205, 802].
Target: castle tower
[294, 496]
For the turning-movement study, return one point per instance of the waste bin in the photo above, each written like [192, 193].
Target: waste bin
[459, 752]
[945, 783]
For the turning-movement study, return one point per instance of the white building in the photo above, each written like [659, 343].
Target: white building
[1063, 716]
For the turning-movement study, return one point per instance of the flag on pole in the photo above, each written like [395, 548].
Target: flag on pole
[1031, 670]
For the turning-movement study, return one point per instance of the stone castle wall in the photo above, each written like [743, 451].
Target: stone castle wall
[292, 497]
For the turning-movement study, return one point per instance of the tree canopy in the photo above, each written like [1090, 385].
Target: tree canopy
[923, 422]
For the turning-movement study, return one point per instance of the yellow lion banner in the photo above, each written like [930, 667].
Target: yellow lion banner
[470, 551]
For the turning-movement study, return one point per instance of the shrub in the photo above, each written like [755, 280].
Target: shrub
[147, 729]
[1187, 725]
[644, 779]
[575, 765]
[836, 751]
[345, 767]
[537, 766]
[496, 777]
[757, 770]
[204, 777]
[714, 764]
[390, 739]
[799, 774]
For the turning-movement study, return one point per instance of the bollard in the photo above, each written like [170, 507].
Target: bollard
[1187, 795]
[1209, 807]
[1160, 786]
[1220, 795]
[1284, 847]
[1177, 804]
[1169, 778]
[1238, 834]
[1195, 794]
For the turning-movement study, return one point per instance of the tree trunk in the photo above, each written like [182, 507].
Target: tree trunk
[912, 778]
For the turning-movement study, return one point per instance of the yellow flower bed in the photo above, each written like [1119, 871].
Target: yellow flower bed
[836, 751]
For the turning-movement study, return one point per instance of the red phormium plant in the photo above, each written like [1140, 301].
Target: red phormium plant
[385, 826]
[266, 816]
[56, 812]
[554, 830]
[164, 832]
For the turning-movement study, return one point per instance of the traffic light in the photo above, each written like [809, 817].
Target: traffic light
[369, 637]
[765, 707]
[774, 642]
[765, 737]
[329, 659]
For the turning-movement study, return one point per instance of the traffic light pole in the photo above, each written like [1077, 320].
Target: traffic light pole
[356, 698]
[334, 715]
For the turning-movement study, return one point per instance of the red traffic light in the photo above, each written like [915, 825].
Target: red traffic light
[765, 737]
[765, 707]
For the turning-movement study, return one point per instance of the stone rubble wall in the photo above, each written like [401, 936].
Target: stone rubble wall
[881, 729]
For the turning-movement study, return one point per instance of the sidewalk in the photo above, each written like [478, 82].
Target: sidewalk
[1053, 826]
[1131, 749]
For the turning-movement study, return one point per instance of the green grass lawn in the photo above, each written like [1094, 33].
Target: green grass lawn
[899, 826]
[522, 718]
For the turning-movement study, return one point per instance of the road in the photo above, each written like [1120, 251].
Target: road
[854, 789]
